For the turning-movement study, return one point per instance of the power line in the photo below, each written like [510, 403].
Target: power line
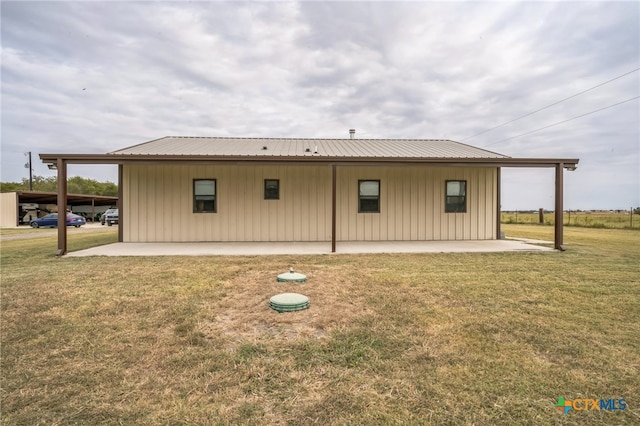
[564, 121]
[549, 106]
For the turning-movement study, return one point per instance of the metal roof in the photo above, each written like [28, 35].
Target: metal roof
[209, 150]
[295, 147]
[72, 199]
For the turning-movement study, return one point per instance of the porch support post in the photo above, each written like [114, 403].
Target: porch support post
[333, 207]
[18, 217]
[558, 237]
[498, 204]
[121, 217]
[62, 207]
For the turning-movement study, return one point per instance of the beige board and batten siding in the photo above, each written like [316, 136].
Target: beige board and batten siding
[412, 201]
[158, 203]
[8, 210]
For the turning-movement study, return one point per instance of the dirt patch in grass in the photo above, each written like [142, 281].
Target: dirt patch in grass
[243, 313]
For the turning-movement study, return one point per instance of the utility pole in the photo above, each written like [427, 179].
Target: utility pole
[28, 166]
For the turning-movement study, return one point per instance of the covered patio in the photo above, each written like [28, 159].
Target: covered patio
[311, 248]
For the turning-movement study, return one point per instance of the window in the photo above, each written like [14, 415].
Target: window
[271, 189]
[456, 198]
[204, 196]
[369, 196]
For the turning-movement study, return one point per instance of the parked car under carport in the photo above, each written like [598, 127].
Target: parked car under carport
[51, 221]
[110, 217]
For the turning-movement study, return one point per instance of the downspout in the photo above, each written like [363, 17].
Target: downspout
[62, 207]
[558, 237]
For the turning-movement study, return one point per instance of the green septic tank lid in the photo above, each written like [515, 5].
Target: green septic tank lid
[289, 302]
[292, 276]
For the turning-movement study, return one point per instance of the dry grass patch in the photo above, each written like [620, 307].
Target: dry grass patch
[243, 307]
[490, 338]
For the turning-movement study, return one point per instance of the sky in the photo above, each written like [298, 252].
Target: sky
[92, 77]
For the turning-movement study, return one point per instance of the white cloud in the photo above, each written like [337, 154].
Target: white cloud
[97, 76]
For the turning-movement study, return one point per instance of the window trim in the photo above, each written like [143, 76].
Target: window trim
[360, 181]
[277, 188]
[215, 196]
[463, 197]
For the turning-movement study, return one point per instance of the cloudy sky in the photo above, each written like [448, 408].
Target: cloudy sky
[92, 77]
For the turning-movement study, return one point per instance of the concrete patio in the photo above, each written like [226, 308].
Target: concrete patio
[305, 248]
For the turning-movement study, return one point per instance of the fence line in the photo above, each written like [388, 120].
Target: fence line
[587, 219]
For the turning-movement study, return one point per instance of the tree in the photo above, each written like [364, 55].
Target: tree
[78, 185]
[75, 185]
[11, 187]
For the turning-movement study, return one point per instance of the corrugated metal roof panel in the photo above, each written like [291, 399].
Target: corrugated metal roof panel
[290, 147]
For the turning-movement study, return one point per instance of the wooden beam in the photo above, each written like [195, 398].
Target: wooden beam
[302, 159]
[121, 218]
[498, 202]
[18, 217]
[333, 207]
[62, 207]
[558, 237]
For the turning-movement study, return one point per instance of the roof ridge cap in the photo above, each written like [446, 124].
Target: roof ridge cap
[307, 139]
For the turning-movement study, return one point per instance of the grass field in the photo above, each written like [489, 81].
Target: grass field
[609, 220]
[465, 339]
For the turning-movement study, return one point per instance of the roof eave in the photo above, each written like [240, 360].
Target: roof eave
[315, 159]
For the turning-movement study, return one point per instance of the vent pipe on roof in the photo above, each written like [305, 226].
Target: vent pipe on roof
[352, 133]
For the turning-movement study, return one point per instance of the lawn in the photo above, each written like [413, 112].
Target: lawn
[453, 338]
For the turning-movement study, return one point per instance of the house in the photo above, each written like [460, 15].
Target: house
[186, 189]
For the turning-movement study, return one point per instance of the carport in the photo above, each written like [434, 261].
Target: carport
[11, 203]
